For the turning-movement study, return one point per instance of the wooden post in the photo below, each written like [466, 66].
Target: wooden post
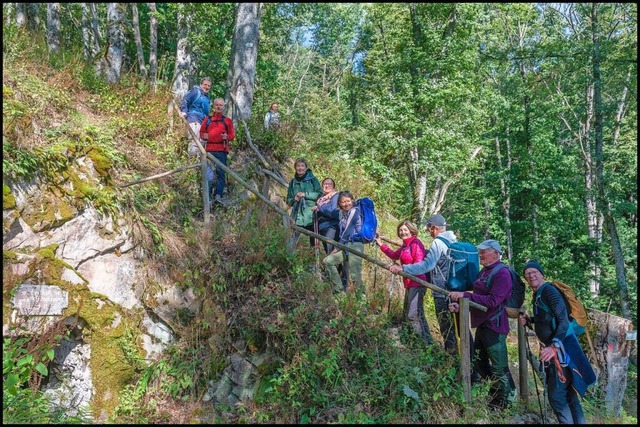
[265, 190]
[465, 348]
[205, 190]
[523, 371]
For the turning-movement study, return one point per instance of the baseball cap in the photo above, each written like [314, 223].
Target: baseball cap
[490, 244]
[437, 220]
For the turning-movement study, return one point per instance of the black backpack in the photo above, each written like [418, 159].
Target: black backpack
[516, 297]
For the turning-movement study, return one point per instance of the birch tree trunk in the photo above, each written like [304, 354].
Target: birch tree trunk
[97, 37]
[505, 190]
[21, 14]
[96, 42]
[53, 27]
[440, 191]
[153, 45]
[609, 221]
[138, 39]
[244, 55]
[115, 36]
[184, 65]
[594, 223]
[86, 32]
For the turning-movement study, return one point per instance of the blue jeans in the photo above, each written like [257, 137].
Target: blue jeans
[562, 397]
[220, 175]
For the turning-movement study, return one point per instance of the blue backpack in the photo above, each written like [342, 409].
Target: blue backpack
[369, 221]
[464, 265]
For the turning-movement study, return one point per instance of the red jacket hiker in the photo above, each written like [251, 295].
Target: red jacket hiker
[212, 129]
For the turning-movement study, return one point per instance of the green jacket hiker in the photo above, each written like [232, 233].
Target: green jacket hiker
[307, 184]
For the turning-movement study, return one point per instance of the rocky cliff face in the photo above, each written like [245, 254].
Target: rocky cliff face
[66, 263]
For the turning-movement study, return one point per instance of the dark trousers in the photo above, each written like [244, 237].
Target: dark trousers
[329, 233]
[492, 361]
[414, 312]
[562, 397]
[450, 334]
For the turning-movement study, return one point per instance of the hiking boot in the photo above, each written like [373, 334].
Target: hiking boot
[475, 378]
[223, 201]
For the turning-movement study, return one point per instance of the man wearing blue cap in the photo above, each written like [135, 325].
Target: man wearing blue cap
[492, 326]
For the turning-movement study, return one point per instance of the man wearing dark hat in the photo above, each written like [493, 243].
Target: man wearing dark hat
[435, 265]
[492, 326]
[561, 353]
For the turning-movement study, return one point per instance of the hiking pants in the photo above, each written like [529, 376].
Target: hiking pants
[414, 311]
[329, 233]
[355, 267]
[492, 362]
[562, 397]
[445, 321]
[220, 174]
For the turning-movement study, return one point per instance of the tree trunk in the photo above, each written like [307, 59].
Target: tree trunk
[96, 41]
[97, 38]
[419, 183]
[244, 56]
[609, 221]
[505, 190]
[138, 40]
[86, 32]
[33, 19]
[440, 191]
[153, 45]
[184, 64]
[21, 14]
[594, 229]
[115, 36]
[612, 344]
[53, 27]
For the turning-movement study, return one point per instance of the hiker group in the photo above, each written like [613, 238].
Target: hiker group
[453, 267]
[450, 266]
[214, 131]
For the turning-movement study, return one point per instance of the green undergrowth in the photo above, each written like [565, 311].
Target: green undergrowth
[331, 356]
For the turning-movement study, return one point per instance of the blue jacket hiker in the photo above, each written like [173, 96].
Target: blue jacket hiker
[349, 224]
[327, 213]
[567, 370]
[195, 105]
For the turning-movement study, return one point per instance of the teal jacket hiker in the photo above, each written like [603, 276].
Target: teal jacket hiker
[310, 186]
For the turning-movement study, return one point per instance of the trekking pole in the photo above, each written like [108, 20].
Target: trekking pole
[316, 242]
[294, 216]
[391, 284]
[455, 323]
[535, 374]
[543, 378]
